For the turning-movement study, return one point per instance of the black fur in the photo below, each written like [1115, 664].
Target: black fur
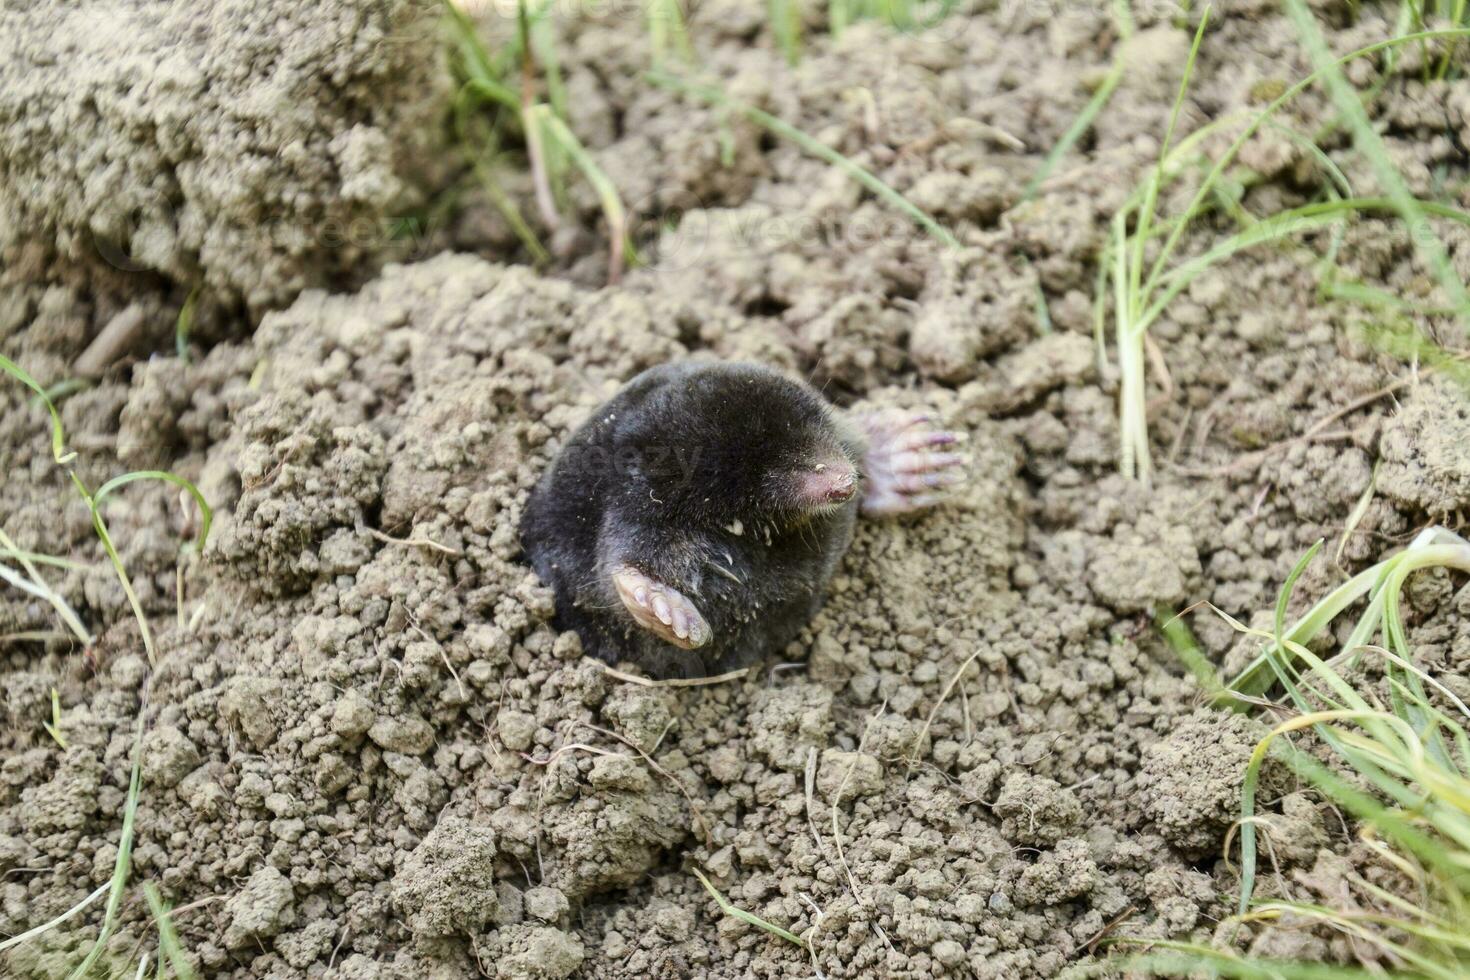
[688, 474]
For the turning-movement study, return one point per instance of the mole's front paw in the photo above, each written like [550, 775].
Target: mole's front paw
[904, 469]
[661, 609]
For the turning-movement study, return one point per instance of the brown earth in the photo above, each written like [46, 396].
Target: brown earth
[367, 754]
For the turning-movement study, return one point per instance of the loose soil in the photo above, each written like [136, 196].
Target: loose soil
[368, 754]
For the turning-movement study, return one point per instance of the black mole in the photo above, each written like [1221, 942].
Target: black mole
[692, 523]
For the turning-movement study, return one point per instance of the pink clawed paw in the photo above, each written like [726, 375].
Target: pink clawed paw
[661, 609]
[907, 468]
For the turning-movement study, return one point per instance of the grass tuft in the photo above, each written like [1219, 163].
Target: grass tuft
[1130, 318]
[1141, 290]
[506, 80]
[116, 888]
[1368, 143]
[1406, 784]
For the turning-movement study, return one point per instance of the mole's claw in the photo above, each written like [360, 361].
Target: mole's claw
[661, 609]
[902, 470]
[912, 483]
[924, 439]
[924, 462]
[904, 421]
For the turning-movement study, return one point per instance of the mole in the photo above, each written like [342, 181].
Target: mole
[692, 523]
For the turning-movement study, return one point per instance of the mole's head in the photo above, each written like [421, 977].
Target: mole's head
[740, 443]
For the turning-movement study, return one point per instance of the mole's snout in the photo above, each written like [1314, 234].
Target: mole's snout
[829, 483]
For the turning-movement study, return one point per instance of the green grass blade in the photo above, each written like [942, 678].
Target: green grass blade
[1192, 960]
[543, 45]
[505, 98]
[1090, 111]
[1283, 598]
[1329, 166]
[168, 937]
[838, 17]
[122, 867]
[53, 727]
[64, 388]
[1444, 692]
[1248, 826]
[40, 559]
[730, 909]
[1134, 457]
[1353, 923]
[1299, 220]
[1404, 341]
[785, 21]
[1181, 640]
[63, 609]
[1457, 18]
[666, 29]
[100, 526]
[184, 325]
[1361, 294]
[94, 501]
[58, 434]
[1077, 130]
[1390, 823]
[1406, 783]
[118, 482]
[1274, 228]
[45, 927]
[492, 91]
[472, 51]
[1146, 211]
[607, 194]
[1414, 708]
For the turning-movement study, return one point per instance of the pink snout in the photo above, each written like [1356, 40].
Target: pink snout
[829, 483]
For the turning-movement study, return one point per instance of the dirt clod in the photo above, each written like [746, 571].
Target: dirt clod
[1424, 460]
[261, 909]
[1190, 783]
[447, 885]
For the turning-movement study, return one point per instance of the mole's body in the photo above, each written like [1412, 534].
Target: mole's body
[692, 523]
